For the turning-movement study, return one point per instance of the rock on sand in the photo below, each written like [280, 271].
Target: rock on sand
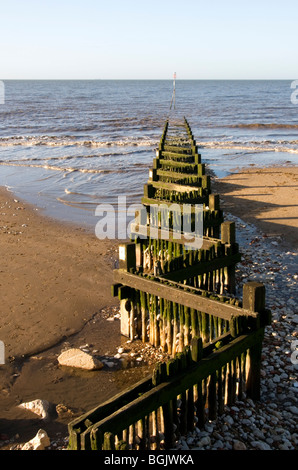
[77, 358]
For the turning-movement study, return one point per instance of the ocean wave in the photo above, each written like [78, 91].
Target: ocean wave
[59, 168]
[77, 156]
[69, 170]
[258, 147]
[268, 145]
[75, 203]
[259, 125]
[56, 141]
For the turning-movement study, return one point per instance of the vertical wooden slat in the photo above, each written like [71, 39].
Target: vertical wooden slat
[142, 434]
[212, 402]
[109, 441]
[254, 299]
[220, 391]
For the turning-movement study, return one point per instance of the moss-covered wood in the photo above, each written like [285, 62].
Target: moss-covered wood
[166, 391]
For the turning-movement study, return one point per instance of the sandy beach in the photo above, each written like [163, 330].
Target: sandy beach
[55, 284]
[265, 197]
[55, 290]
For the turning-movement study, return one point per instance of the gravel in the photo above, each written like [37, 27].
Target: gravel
[271, 423]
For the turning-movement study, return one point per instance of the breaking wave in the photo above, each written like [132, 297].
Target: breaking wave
[63, 169]
[258, 125]
[264, 146]
[251, 145]
[56, 141]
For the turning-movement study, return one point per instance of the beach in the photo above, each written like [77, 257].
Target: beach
[265, 197]
[55, 290]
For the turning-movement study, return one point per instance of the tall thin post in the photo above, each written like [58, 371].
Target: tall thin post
[254, 299]
[174, 92]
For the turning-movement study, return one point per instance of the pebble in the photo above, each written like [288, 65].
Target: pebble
[272, 422]
[239, 445]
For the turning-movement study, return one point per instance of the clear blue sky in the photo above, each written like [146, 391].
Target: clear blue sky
[113, 39]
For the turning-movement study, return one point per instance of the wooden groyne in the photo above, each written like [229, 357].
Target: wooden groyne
[180, 298]
[163, 283]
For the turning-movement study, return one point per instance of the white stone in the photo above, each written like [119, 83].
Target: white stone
[40, 442]
[38, 407]
[110, 364]
[77, 358]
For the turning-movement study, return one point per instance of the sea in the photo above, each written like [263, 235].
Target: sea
[71, 146]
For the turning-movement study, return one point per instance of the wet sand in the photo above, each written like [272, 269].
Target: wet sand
[55, 291]
[55, 284]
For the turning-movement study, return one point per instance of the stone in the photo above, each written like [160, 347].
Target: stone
[259, 434]
[218, 444]
[239, 445]
[124, 362]
[40, 442]
[110, 364]
[293, 409]
[39, 407]
[261, 445]
[229, 420]
[79, 359]
[205, 441]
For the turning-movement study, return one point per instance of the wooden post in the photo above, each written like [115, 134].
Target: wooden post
[168, 410]
[220, 391]
[142, 434]
[212, 403]
[197, 355]
[228, 232]
[254, 296]
[125, 307]
[127, 256]
[143, 316]
[254, 299]
[228, 237]
[109, 441]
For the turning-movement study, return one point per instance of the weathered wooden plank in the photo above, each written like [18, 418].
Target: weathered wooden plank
[166, 391]
[178, 149]
[172, 236]
[173, 187]
[203, 267]
[148, 201]
[179, 176]
[83, 422]
[178, 156]
[178, 164]
[212, 307]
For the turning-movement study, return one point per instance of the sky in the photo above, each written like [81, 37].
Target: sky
[102, 39]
